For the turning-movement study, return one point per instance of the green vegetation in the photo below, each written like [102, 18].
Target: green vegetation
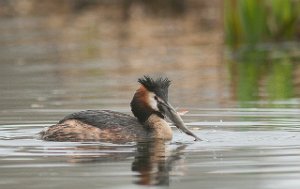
[255, 21]
[255, 79]
[280, 80]
[255, 31]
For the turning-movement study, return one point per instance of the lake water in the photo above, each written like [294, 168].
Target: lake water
[43, 78]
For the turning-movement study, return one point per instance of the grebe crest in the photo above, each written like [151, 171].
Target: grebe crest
[149, 105]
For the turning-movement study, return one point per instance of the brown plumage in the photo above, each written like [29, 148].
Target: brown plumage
[112, 126]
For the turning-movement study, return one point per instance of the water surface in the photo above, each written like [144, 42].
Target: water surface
[254, 148]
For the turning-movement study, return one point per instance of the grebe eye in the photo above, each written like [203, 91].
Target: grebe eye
[155, 97]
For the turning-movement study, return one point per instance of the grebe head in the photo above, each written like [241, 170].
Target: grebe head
[152, 98]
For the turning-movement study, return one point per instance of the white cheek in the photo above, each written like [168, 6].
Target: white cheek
[152, 102]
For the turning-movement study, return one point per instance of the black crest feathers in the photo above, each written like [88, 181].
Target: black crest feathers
[159, 86]
[152, 85]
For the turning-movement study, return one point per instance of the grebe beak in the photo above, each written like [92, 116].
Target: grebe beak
[172, 114]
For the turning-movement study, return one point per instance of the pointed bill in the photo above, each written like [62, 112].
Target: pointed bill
[177, 120]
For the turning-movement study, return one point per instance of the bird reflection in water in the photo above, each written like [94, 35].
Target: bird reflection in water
[153, 161]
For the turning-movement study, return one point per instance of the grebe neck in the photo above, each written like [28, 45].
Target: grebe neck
[159, 127]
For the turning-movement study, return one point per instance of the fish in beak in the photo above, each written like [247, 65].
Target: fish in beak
[172, 114]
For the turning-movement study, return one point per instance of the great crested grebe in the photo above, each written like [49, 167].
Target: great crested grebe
[149, 105]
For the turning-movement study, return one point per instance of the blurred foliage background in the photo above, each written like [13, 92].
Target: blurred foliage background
[263, 41]
[248, 22]
[256, 41]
